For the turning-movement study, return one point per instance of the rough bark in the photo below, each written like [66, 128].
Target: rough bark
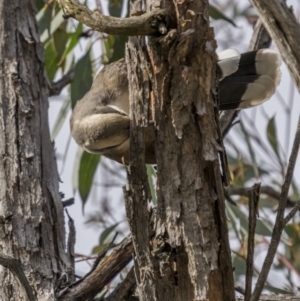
[32, 223]
[190, 200]
[103, 271]
[189, 257]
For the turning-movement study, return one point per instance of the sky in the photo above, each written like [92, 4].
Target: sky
[239, 38]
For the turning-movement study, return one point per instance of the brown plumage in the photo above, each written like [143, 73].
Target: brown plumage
[100, 121]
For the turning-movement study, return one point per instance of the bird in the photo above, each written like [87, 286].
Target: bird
[100, 122]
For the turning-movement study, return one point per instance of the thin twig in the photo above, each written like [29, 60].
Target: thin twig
[253, 205]
[280, 222]
[268, 190]
[56, 87]
[68, 202]
[292, 213]
[15, 267]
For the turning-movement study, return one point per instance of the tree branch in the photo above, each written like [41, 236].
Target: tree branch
[292, 213]
[137, 193]
[56, 87]
[68, 202]
[274, 298]
[125, 289]
[279, 223]
[268, 190]
[101, 275]
[149, 23]
[253, 205]
[71, 246]
[284, 29]
[15, 267]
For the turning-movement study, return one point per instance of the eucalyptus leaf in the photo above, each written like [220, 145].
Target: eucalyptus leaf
[99, 248]
[277, 290]
[83, 78]
[60, 38]
[87, 168]
[75, 177]
[107, 232]
[152, 173]
[51, 60]
[239, 266]
[216, 14]
[61, 117]
[272, 137]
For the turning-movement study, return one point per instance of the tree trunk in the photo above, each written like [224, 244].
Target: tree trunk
[188, 257]
[32, 222]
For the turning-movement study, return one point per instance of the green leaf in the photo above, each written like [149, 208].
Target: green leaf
[83, 78]
[65, 156]
[40, 4]
[239, 267]
[98, 249]
[262, 228]
[293, 251]
[295, 195]
[75, 177]
[51, 60]
[115, 8]
[276, 290]
[216, 14]
[250, 148]
[61, 117]
[60, 39]
[107, 232]
[87, 169]
[272, 137]
[118, 49]
[54, 25]
[151, 173]
[43, 18]
[233, 221]
[73, 39]
[242, 172]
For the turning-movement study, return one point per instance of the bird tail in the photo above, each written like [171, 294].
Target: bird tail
[247, 79]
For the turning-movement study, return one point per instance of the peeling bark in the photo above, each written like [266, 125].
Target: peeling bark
[188, 257]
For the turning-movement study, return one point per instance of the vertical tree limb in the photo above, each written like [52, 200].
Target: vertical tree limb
[137, 192]
[32, 231]
[191, 215]
[253, 197]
